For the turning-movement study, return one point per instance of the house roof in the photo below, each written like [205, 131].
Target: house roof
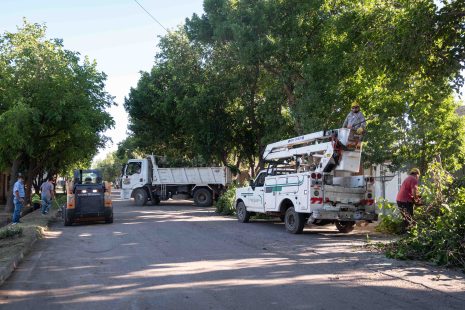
[461, 110]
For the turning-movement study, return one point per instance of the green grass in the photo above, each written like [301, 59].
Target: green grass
[10, 231]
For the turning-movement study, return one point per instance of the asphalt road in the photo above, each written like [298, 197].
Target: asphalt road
[177, 256]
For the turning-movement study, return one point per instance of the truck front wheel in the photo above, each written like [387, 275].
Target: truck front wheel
[203, 197]
[140, 197]
[294, 221]
[243, 215]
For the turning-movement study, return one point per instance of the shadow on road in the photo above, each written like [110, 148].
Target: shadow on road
[175, 256]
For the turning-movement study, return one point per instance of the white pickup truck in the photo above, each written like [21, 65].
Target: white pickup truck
[144, 180]
[309, 181]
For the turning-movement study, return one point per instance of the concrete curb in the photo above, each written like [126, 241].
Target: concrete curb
[6, 269]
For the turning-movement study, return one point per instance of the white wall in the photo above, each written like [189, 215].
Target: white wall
[391, 187]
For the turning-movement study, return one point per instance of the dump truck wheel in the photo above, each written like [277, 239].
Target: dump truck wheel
[294, 221]
[203, 197]
[345, 226]
[243, 215]
[140, 197]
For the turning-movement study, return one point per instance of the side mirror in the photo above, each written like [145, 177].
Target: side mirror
[251, 183]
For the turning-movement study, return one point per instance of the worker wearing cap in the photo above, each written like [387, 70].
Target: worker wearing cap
[408, 196]
[19, 194]
[355, 119]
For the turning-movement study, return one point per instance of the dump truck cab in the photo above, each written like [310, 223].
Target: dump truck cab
[88, 197]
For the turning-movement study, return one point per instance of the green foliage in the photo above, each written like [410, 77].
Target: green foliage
[391, 221]
[438, 234]
[10, 231]
[53, 105]
[226, 203]
[247, 73]
[60, 199]
[110, 166]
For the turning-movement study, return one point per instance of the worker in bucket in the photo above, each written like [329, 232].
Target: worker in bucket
[355, 119]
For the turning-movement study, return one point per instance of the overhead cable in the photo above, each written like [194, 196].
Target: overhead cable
[151, 15]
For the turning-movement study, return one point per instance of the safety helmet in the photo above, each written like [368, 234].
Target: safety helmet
[415, 171]
[355, 104]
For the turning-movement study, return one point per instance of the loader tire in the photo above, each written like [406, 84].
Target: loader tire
[294, 221]
[345, 226]
[67, 220]
[140, 197]
[109, 220]
[243, 215]
[203, 197]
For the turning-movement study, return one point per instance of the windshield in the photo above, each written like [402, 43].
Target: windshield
[88, 177]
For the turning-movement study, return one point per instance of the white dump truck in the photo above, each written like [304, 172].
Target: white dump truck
[309, 180]
[144, 180]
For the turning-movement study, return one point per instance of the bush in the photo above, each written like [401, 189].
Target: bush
[10, 231]
[391, 222]
[225, 204]
[60, 199]
[438, 233]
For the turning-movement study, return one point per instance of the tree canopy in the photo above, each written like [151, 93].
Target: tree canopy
[52, 104]
[246, 73]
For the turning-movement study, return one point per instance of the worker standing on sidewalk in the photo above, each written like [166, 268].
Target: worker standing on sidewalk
[19, 194]
[407, 196]
[47, 195]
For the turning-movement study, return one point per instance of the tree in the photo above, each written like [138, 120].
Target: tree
[110, 166]
[52, 103]
[274, 69]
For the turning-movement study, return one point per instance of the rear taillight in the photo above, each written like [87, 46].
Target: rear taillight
[316, 200]
[367, 202]
[316, 176]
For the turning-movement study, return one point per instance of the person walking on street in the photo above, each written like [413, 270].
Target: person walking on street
[19, 194]
[408, 196]
[47, 195]
[355, 119]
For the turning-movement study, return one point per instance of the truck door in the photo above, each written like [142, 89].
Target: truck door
[257, 202]
[132, 176]
[270, 194]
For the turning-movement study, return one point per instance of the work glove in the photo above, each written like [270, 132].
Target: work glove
[359, 131]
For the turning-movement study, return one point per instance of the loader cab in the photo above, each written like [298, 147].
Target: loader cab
[88, 197]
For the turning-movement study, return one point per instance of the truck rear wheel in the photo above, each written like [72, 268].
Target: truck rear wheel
[140, 197]
[294, 221]
[243, 215]
[345, 226]
[203, 197]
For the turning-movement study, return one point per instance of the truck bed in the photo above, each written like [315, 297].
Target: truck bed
[196, 175]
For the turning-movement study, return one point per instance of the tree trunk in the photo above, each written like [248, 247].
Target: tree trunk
[9, 194]
[28, 182]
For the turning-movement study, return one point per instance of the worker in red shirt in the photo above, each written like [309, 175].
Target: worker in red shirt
[408, 196]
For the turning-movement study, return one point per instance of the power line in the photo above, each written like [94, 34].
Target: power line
[150, 15]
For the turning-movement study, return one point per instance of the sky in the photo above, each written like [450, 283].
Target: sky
[118, 34]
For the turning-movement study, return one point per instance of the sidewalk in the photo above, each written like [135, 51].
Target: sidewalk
[14, 249]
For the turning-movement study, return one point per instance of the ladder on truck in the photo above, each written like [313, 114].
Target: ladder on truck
[322, 151]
